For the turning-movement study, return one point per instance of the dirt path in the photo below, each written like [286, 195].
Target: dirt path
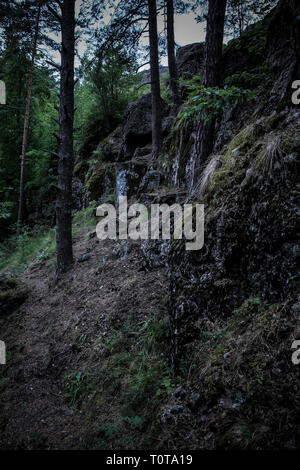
[54, 334]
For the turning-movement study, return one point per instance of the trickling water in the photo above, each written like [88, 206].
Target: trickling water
[175, 169]
[121, 184]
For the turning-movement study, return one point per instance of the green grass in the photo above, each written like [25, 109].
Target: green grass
[130, 375]
[75, 385]
[84, 219]
[19, 252]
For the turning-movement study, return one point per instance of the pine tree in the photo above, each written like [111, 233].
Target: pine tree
[155, 79]
[211, 78]
[64, 249]
[26, 120]
[171, 50]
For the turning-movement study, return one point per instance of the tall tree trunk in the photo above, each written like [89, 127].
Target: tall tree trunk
[211, 78]
[241, 17]
[64, 251]
[155, 81]
[171, 50]
[26, 121]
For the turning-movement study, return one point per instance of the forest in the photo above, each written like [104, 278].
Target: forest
[113, 340]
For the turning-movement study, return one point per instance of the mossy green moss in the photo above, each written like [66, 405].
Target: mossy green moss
[95, 181]
[253, 40]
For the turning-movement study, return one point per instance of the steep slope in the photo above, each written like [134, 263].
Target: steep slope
[147, 345]
[234, 306]
[86, 356]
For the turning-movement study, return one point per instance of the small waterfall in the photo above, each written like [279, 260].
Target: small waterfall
[121, 184]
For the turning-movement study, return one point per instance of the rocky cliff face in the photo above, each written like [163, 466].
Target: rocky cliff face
[234, 305]
[250, 189]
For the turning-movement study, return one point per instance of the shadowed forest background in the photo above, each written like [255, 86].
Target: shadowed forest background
[123, 344]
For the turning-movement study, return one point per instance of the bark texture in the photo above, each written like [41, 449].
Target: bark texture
[155, 80]
[211, 78]
[26, 121]
[171, 50]
[64, 249]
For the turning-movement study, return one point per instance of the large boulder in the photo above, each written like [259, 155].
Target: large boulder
[137, 131]
[110, 148]
[190, 59]
[99, 182]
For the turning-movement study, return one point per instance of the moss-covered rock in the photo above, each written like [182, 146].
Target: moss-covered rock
[241, 368]
[100, 181]
[13, 292]
[251, 229]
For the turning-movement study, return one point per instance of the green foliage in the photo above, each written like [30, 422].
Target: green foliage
[251, 79]
[109, 83]
[40, 165]
[75, 384]
[109, 430]
[85, 216]
[149, 383]
[132, 375]
[252, 40]
[31, 246]
[209, 103]
[167, 386]
[21, 251]
[6, 209]
[154, 332]
[84, 219]
[134, 422]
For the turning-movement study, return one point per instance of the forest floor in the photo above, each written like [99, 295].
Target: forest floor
[75, 349]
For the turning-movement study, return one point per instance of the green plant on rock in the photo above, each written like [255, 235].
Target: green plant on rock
[167, 386]
[252, 79]
[209, 103]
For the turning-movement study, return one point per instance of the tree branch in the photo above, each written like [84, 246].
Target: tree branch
[142, 84]
[53, 64]
[55, 14]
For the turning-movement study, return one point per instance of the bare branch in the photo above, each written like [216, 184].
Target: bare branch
[143, 65]
[142, 84]
[59, 3]
[55, 14]
[53, 64]
[50, 151]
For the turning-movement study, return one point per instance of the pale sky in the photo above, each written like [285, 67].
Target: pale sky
[187, 31]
